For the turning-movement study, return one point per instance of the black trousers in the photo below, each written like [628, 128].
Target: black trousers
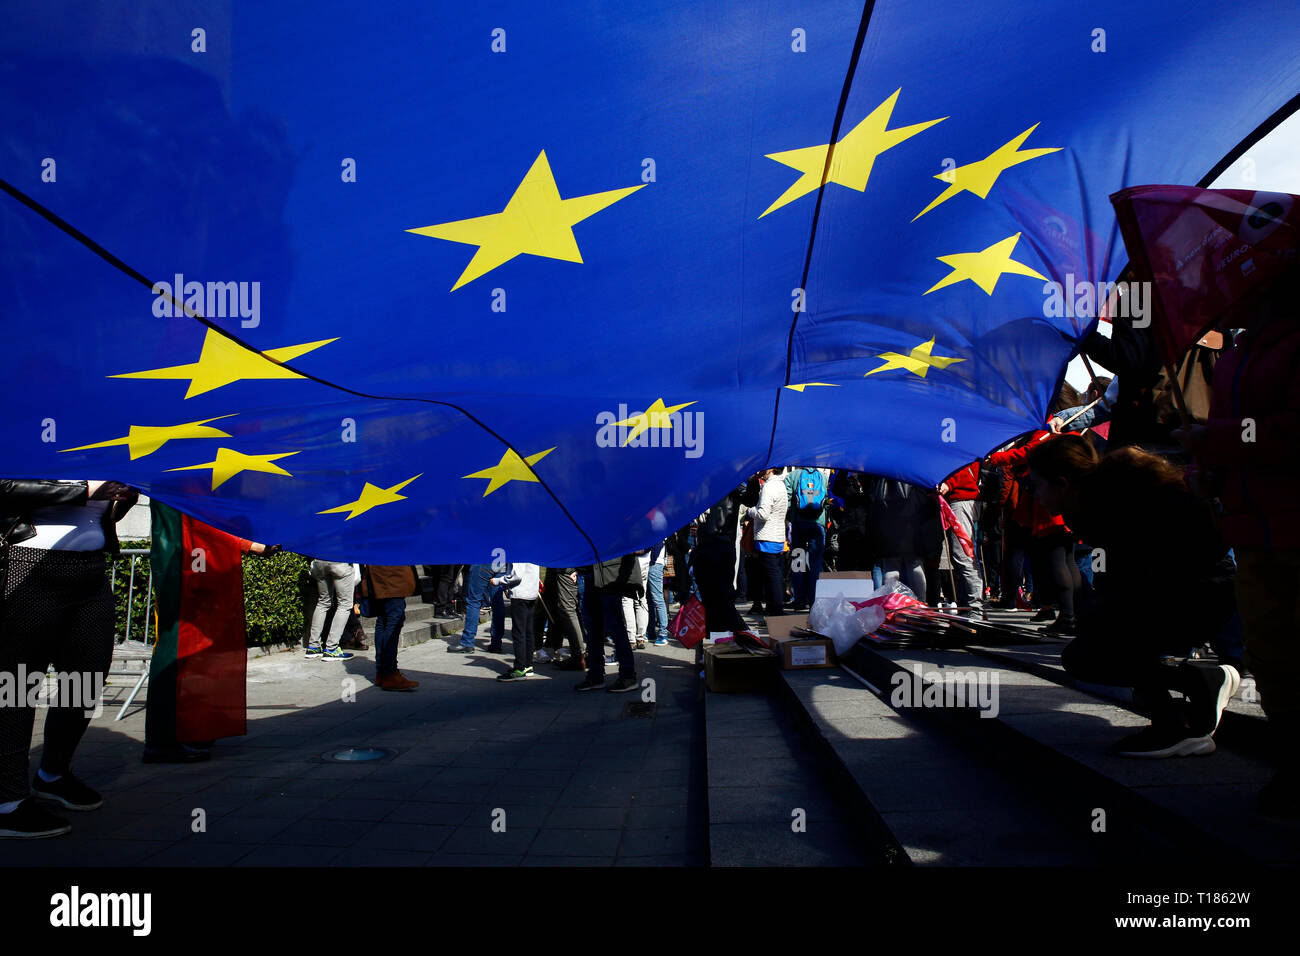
[444, 581]
[715, 568]
[774, 574]
[1061, 577]
[605, 613]
[521, 632]
[56, 609]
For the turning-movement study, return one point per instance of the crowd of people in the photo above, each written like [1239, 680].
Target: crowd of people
[1166, 552]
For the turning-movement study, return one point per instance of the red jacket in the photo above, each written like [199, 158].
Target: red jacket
[1028, 513]
[1260, 493]
[964, 483]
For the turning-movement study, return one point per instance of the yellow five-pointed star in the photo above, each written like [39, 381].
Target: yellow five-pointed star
[800, 388]
[978, 177]
[852, 158]
[918, 362]
[536, 221]
[371, 496]
[144, 440]
[229, 463]
[656, 416]
[984, 267]
[510, 468]
[223, 361]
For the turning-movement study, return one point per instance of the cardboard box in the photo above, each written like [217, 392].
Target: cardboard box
[854, 585]
[798, 652]
[729, 669]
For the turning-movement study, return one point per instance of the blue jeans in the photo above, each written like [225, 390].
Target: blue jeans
[478, 592]
[658, 606]
[1084, 560]
[389, 617]
[810, 536]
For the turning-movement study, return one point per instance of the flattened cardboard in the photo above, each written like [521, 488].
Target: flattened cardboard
[852, 584]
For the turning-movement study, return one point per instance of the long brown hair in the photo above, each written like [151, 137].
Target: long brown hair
[1128, 474]
[1071, 457]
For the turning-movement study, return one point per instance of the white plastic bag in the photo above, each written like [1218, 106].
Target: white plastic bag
[839, 620]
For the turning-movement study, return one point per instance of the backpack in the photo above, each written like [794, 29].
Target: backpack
[810, 493]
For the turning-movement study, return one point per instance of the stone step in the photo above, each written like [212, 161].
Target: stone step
[1205, 806]
[770, 801]
[1047, 749]
[943, 801]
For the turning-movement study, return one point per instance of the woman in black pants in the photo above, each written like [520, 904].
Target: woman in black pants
[57, 608]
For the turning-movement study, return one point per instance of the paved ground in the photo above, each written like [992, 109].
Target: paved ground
[579, 780]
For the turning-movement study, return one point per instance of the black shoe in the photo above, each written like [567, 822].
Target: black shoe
[1157, 742]
[571, 664]
[1063, 626]
[181, 753]
[30, 821]
[68, 792]
[591, 683]
[1210, 688]
[1044, 614]
[1280, 797]
[756, 611]
[496, 649]
[623, 685]
[456, 648]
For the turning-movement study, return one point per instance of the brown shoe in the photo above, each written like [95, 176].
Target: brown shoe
[395, 681]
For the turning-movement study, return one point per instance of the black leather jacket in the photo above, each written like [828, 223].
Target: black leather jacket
[19, 497]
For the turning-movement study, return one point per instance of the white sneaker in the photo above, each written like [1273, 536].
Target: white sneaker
[543, 656]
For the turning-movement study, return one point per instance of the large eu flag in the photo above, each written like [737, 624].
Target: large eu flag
[429, 281]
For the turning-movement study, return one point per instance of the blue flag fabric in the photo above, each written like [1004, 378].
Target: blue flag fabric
[435, 282]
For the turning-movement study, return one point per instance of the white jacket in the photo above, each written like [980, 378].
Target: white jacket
[769, 513]
[526, 577]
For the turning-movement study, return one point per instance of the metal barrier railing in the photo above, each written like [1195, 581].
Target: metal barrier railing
[135, 554]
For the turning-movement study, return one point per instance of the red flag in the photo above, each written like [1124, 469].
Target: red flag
[212, 656]
[950, 523]
[1204, 251]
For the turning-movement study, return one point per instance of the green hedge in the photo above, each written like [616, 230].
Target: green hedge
[273, 597]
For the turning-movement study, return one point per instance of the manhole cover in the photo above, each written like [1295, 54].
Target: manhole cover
[638, 708]
[359, 754]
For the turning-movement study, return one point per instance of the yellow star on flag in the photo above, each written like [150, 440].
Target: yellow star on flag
[229, 463]
[223, 361]
[800, 388]
[919, 361]
[536, 222]
[656, 416]
[510, 468]
[852, 158]
[978, 177]
[143, 440]
[985, 267]
[371, 496]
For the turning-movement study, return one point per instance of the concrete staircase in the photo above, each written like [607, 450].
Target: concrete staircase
[1029, 784]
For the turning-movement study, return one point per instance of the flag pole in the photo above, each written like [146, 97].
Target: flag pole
[1085, 408]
